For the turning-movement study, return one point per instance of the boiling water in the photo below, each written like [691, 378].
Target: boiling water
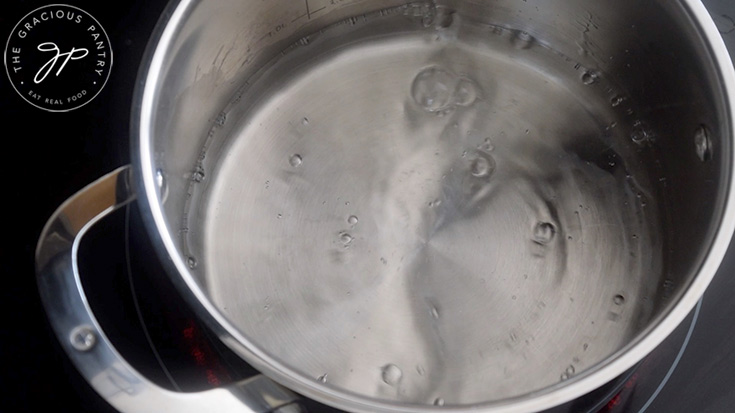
[421, 208]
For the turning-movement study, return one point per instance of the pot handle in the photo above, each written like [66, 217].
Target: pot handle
[87, 345]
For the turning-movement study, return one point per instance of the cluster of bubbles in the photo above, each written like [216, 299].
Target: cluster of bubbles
[437, 90]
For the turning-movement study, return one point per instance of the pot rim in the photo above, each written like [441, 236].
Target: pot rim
[583, 383]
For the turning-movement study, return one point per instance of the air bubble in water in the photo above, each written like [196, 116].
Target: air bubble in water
[295, 160]
[543, 233]
[465, 92]
[618, 299]
[162, 184]
[439, 401]
[221, 119]
[487, 145]
[305, 121]
[522, 40]
[352, 220]
[433, 89]
[160, 178]
[345, 238]
[391, 374]
[616, 100]
[198, 175]
[482, 165]
[569, 372]
[641, 134]
[191, 262]
[590, 77]
[703, 144]
[322, 378]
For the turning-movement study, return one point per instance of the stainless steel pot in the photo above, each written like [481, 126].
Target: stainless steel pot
[405, 207]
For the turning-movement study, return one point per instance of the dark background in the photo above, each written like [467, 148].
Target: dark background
[49, 156]
[46, 158]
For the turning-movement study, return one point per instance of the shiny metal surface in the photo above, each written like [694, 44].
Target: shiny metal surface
[86, 344]
[238, 126]
[420, 257]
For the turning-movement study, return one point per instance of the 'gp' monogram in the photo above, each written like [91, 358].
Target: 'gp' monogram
[48, 66]
[58, 58]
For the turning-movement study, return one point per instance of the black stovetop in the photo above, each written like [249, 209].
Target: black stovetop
[48, 156]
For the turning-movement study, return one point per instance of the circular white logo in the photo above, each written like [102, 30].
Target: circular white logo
[58, 57]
